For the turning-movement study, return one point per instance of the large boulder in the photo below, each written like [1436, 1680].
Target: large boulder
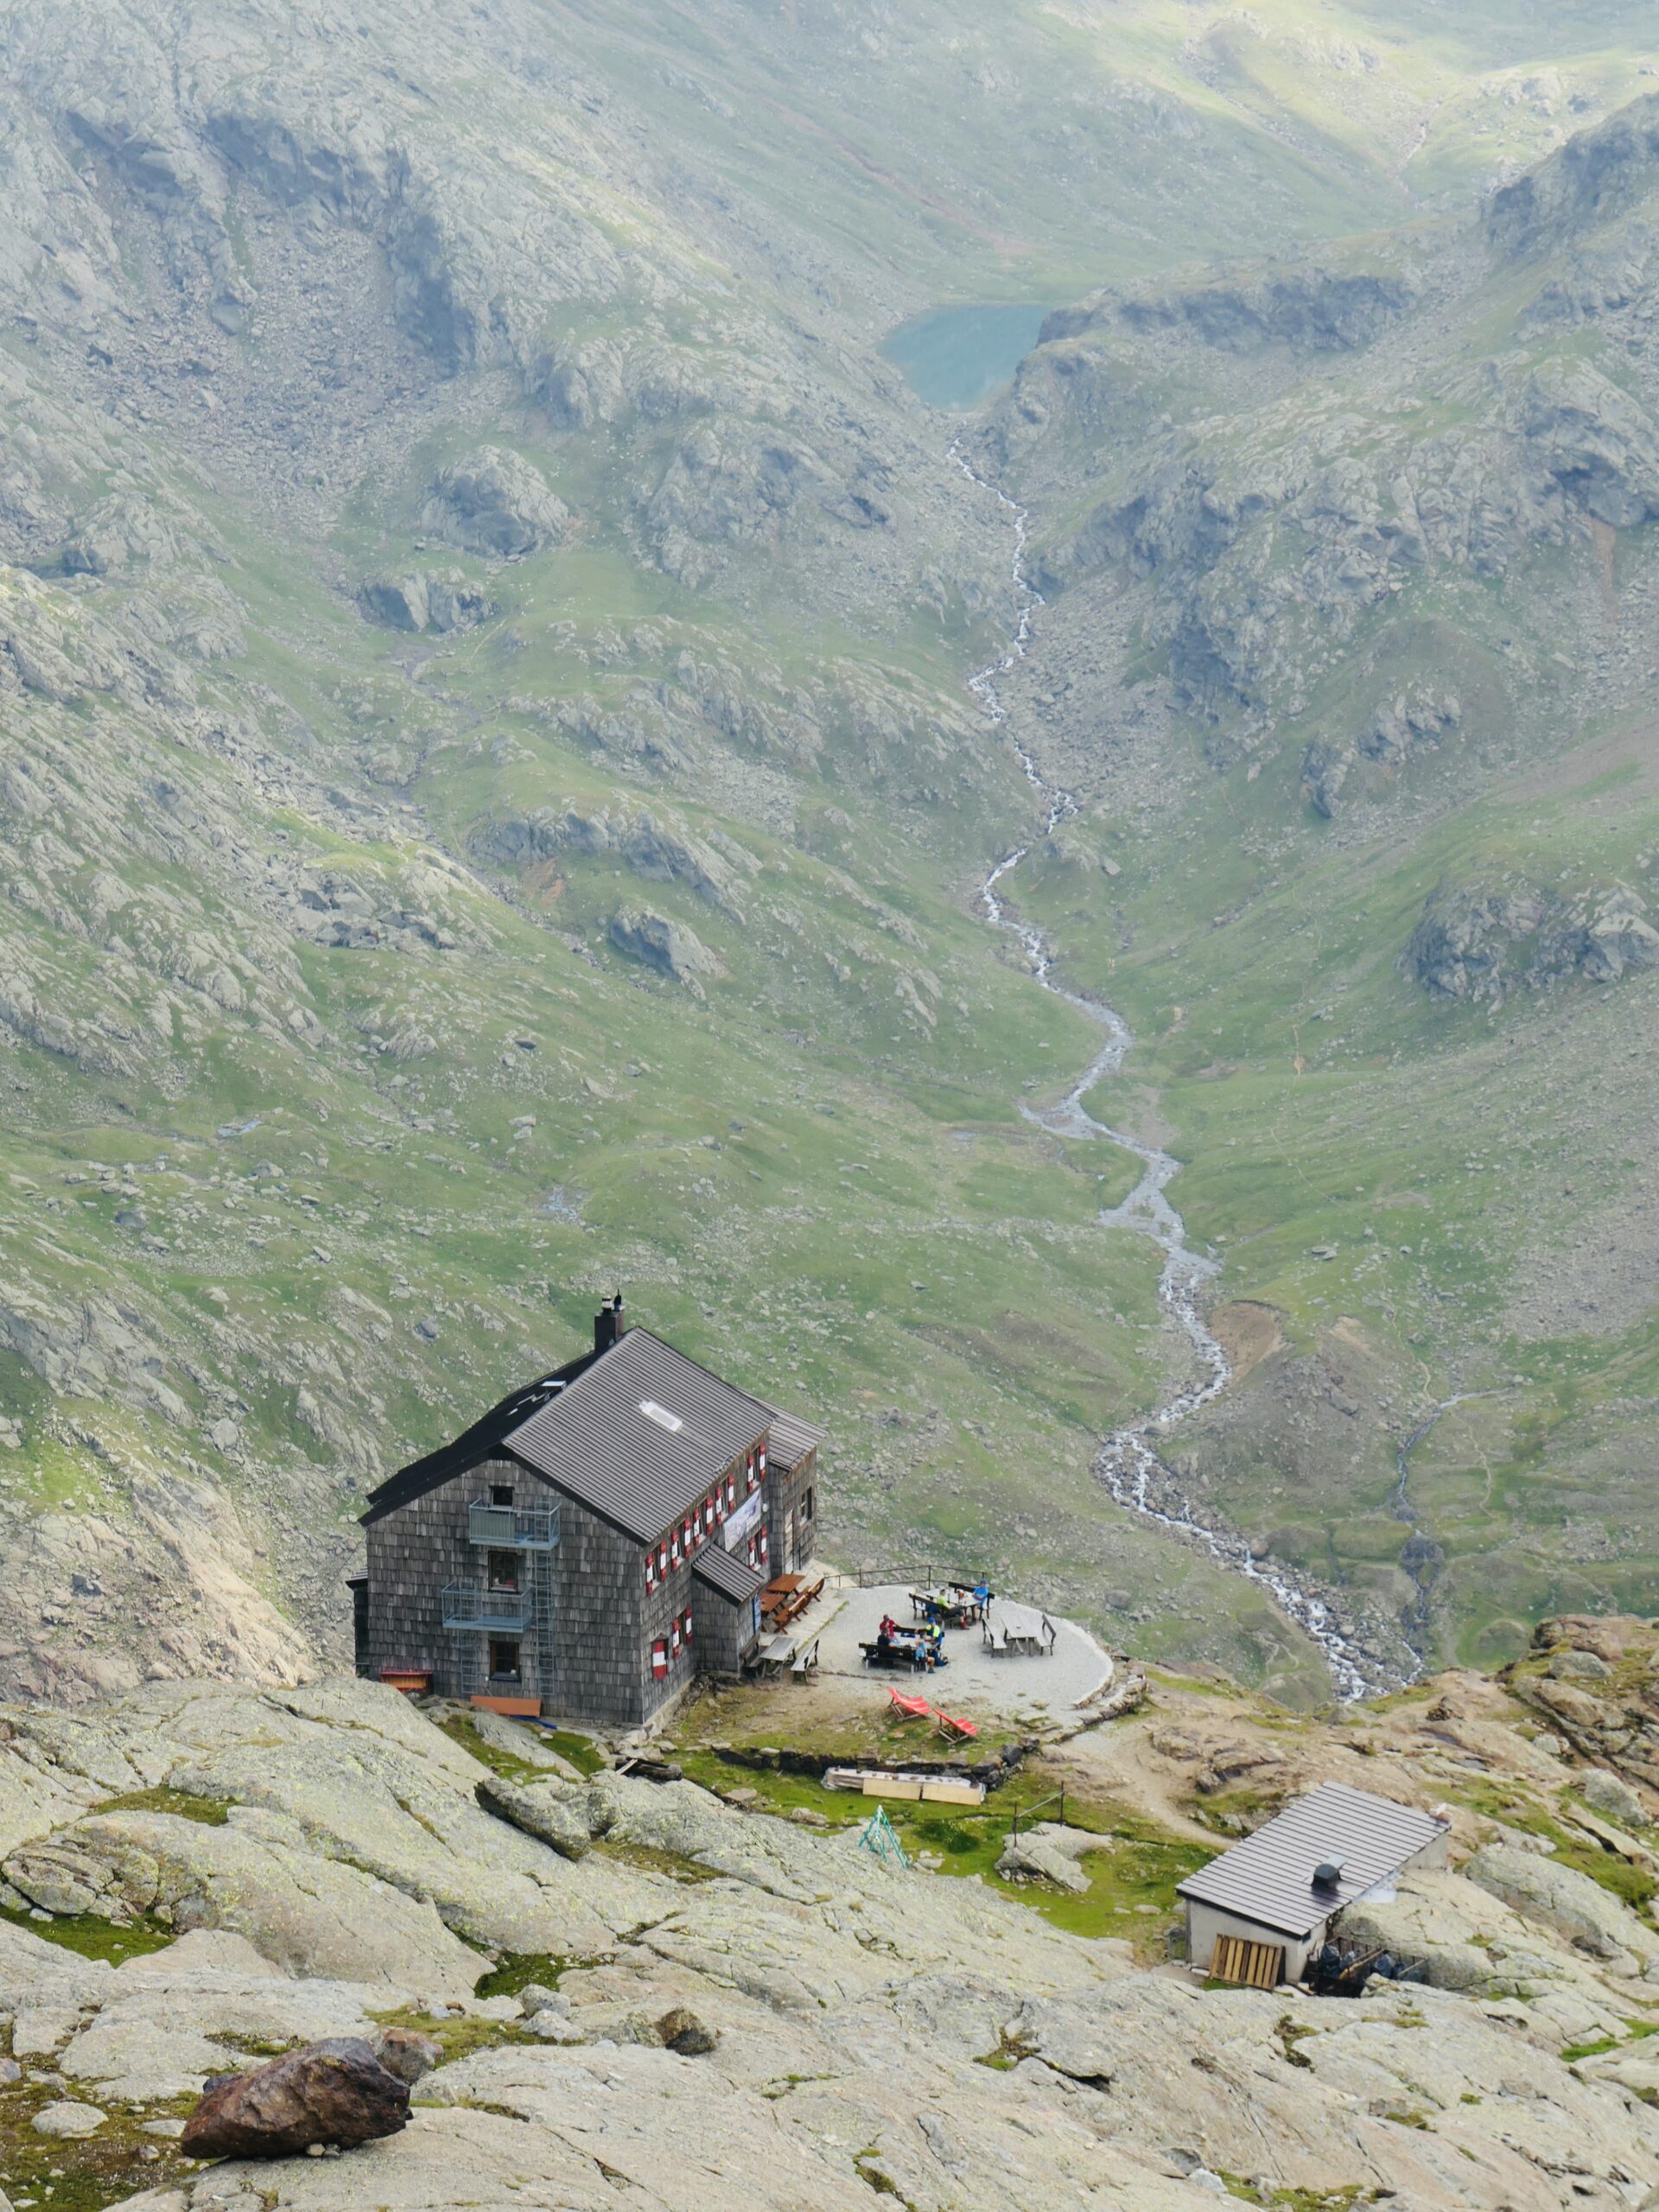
[670, 947]
[1461, 1938]
[1049, 1852]
[1590, 1918]
[259, 1876]
[420, 601]
[494, 502]
[555, 1811]
[1613, 1798]
[332, 2091]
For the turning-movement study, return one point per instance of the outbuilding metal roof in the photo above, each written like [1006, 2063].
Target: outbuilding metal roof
[733, 1579]
[1269, 1876]
[597, 1442]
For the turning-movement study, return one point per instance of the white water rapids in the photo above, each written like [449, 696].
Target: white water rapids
[1128, 1463]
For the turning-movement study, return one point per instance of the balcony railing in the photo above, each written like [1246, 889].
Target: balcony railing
[512, 1527]
[467, 1606]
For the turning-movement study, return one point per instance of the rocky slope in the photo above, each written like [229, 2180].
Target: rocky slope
[689, 2000]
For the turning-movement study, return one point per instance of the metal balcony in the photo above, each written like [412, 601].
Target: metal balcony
[512, 1527]
[467, 1606]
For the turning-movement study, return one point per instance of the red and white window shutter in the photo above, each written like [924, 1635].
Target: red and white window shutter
[659, 1659]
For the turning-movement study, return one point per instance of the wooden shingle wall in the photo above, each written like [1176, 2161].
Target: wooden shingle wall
[791, 1537]
[602, 1664]
[724, 1630]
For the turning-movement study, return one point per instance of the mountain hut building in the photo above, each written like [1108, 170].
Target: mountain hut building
[593, 1543]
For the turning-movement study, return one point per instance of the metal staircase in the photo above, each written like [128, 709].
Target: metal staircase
[473, 1613]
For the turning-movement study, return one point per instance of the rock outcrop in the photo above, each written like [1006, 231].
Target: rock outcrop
[672, 948]
[714, 1970]
[495, 502]
[421, 600]
[1479, 944]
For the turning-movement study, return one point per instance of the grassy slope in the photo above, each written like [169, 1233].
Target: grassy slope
[794, 1164]
[1366, 1161]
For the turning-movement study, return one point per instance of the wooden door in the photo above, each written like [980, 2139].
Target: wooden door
[1258, 1966]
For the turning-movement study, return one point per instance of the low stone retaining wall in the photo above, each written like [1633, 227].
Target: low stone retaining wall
[993, 1771]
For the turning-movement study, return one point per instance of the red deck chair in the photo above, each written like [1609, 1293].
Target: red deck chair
[953, 1731]
[913, 1708]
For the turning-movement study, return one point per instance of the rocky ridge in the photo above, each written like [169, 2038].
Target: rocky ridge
[709, 2000]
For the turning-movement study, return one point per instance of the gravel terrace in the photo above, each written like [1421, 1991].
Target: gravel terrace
[973, 1679]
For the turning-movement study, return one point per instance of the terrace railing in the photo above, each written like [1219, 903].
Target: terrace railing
[512, 1527]
[467, 1606]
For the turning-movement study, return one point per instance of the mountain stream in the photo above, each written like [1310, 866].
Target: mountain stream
[1128, 1461]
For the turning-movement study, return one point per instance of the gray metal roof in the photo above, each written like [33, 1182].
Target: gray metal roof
[1269, 1876]
[733, 1577]
[792, 1438]
[596, 1441]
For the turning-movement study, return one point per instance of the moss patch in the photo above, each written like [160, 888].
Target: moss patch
[101, 2170]
[210, 1812]
[457, 2036]
[576, 1749]
[515, 1970]
[98, 1939]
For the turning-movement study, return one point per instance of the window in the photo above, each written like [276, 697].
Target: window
[662, 1559]
[806, 1505]
[763, 1459]
[503, 1570]
[650, 1570]
[675, 1638]
[731, 1492]
[504, 1659]
[674, 1548]
[500, 1493]
[658, 1659]
[685, 1624]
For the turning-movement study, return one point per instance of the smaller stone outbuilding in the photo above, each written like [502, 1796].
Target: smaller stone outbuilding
[1261, 1910]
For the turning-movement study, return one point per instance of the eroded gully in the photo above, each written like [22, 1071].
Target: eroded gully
[1128, 1461]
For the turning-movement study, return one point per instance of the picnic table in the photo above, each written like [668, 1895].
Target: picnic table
[915, 1648]
[953, 1604]
[786, 1597]
[1020, 1635]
